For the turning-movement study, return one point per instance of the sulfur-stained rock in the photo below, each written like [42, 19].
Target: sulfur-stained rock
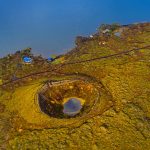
[112, 82]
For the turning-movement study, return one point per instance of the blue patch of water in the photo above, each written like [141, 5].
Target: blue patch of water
[72, 107]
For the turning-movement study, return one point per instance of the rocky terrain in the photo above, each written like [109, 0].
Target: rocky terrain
[109, 71]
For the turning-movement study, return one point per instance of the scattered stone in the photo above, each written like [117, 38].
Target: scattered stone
[2, 108]
[20, 130]
[118, 34]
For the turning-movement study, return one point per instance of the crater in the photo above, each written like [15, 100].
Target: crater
[67, 98]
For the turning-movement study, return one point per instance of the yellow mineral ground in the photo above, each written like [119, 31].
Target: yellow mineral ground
[110, 75]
